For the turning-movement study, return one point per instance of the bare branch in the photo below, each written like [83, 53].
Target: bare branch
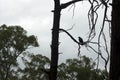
[70, 36]
[106, 49]
[65, 5]
[80, 42]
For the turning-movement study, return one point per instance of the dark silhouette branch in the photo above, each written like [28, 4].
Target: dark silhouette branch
[79, 42]
[69, 35]
[65, 5]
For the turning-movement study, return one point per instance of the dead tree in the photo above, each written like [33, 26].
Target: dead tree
[55, 36]
[92, 17]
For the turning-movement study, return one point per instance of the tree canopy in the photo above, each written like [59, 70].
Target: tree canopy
[37, 68]
[13, 42]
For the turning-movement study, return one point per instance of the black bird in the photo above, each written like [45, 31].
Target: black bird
[80, 40]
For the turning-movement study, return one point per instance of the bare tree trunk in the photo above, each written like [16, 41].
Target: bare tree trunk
[55, 36]
[55, 41]
[115, 42]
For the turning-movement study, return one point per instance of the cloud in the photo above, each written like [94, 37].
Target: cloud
[13, 10]
[36, 17]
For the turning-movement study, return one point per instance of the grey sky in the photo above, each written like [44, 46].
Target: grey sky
[35, 16]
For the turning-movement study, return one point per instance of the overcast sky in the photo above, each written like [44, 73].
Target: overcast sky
[36, 17]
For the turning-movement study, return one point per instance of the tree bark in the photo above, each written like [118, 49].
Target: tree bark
[115, 42]
[55, 36]
[55, 41]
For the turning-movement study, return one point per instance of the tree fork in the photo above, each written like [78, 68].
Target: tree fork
[55, 36]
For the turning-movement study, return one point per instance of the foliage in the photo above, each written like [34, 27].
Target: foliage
[83, 69]
[36, 68]
[13, 42]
